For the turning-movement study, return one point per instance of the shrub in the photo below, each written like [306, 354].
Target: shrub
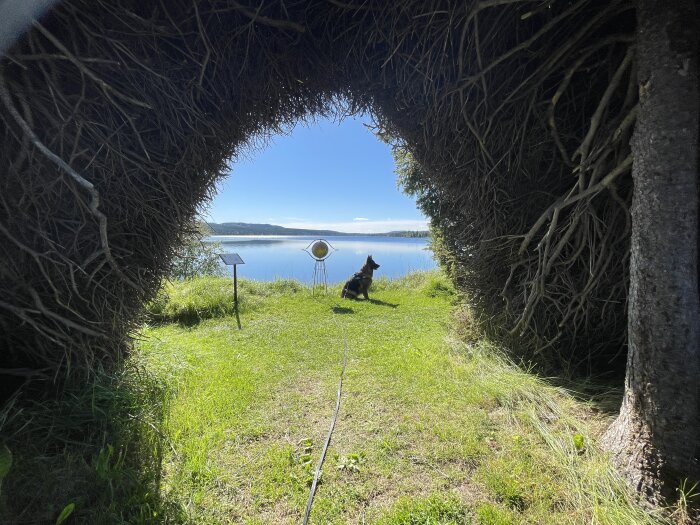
[196, 258]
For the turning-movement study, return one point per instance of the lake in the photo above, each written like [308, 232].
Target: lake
[269, 257]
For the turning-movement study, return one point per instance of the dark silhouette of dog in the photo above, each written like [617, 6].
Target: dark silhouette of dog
[360, 282]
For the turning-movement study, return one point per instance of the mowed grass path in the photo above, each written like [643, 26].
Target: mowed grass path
[430, 430]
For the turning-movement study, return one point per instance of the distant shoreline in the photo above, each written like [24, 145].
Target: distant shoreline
[242, 228]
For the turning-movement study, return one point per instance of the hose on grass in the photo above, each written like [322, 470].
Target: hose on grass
[317, 473]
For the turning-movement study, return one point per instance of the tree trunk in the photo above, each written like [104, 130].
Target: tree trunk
[655, 438]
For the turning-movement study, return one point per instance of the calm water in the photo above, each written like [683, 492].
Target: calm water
[269, 257]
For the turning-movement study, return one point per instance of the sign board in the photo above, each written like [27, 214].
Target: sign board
[231, 259]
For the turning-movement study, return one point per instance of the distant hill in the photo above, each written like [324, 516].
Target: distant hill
[404, 233]
[244, 228]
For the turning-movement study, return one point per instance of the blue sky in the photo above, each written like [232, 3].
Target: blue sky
[329, 175]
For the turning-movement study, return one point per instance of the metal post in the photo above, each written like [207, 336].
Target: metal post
[233, 259]
[235, 289]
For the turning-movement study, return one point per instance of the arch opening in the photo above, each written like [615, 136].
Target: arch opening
[328, 177]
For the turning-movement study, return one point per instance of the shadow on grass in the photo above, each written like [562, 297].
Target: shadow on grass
[342, 310]
[186, 322]
[183, 319]
[98, 448]
[191, 319]
[382, 303]
[603, 395]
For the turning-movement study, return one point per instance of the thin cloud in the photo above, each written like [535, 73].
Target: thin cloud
[360, 219]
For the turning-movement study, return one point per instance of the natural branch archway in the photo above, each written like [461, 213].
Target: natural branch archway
[118, 117]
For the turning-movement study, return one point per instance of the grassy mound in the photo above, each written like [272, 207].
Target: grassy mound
[192, 300]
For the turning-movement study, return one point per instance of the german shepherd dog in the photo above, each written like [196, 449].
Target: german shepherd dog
[359, 283]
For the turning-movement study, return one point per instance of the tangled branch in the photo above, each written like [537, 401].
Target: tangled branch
[121, 116]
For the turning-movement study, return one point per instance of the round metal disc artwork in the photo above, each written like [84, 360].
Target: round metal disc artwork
[320, 250]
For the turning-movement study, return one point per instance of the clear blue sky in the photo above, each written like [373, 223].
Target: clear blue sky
[329, 175]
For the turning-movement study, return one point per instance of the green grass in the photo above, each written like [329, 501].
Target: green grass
[194, 300]
[447, 433]
[431, 430]
[97, 448]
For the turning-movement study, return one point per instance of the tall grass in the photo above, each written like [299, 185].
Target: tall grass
[545, 460]
[193, 300]
[94, 455]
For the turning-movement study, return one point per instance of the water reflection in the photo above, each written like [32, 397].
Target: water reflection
[243, 242]
[271, 257]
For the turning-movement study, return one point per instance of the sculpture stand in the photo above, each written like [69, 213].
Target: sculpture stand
[320, 278]
[319, 250]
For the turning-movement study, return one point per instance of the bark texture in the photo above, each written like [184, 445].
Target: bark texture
[655, 438]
